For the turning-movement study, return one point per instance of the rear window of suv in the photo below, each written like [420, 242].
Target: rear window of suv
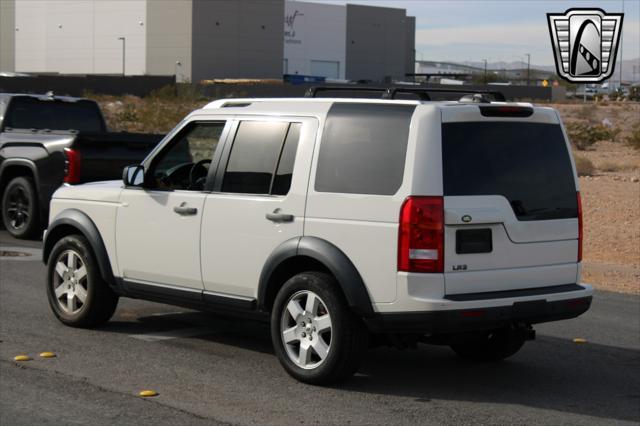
[528, 163]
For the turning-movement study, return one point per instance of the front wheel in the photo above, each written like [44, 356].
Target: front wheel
[491, 346]
[316, 337]
[77, 294]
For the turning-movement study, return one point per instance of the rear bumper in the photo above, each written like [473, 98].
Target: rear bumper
[465, 319]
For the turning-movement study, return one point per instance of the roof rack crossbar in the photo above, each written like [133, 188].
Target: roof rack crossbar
[391, 92]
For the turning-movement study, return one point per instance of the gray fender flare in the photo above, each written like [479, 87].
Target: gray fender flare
[332, 258]
[79, 220]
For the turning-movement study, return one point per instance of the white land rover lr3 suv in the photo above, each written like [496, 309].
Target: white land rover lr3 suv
[337, 219]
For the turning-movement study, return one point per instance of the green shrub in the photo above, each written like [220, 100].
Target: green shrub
[587, 112]
[582, 135]
[127, 114]
[633, 140]
[584, 166]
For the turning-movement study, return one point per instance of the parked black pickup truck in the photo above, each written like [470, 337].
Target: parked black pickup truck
[48, 140]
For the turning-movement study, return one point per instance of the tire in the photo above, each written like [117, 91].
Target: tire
[88, 301]
[493, 346]
[20, 209]
[329, 327]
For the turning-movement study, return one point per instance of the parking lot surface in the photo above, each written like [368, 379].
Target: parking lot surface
[213, 370]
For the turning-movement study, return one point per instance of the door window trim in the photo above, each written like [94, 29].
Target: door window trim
[230, 140]
[174, 137]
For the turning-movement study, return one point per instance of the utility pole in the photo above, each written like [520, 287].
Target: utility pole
[528, 68]
[485, 71]
[123, 51]
[621, 40]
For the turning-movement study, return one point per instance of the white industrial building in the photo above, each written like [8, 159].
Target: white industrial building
[314, 39]
[204, 39]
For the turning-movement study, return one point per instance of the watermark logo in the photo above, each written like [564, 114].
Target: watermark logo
[585, 43]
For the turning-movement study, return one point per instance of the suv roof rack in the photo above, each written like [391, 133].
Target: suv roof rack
[421, 92]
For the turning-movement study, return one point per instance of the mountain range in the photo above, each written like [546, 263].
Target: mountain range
[627, 67]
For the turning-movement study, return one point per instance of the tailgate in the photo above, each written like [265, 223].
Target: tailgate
[511, 209]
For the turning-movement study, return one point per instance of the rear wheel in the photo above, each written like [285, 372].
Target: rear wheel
[316, 337]
[77, 294]
[490, 346]
[20, 213]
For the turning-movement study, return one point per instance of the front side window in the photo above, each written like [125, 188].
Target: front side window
[184, 164]
[262, 157]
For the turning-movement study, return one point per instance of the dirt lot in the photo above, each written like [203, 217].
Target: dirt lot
[610, 195]
[611, 198]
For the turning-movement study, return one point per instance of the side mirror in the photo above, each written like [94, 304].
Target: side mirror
[133, 175]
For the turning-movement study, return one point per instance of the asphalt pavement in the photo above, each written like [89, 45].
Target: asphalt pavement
[215, 370]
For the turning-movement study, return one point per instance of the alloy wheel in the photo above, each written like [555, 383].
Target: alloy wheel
[305, 329]
[70, 282]
[18, 208]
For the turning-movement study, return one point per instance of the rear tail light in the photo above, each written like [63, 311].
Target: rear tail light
[580, 233]
[421, 235]
[71, 165]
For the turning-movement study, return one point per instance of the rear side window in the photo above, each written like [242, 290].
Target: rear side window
[31, 113]
[363, 149]
[262, 157]
[528, 163]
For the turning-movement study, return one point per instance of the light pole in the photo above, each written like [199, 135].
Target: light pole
[124, 41]
[485, 71]
[528, 68]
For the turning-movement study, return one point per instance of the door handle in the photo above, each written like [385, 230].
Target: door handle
[276, 216]
[185, 210]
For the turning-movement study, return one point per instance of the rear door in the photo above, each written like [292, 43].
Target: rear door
[258, 201]
[510, 195]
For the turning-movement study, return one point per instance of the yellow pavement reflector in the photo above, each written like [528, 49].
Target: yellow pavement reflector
[579, 340]
[22, 358]
[148, 393]
[48, 355]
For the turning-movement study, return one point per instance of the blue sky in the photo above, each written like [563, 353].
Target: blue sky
[461, 30]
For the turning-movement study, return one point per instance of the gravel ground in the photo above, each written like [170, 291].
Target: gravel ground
[611, 232]
[610, 198]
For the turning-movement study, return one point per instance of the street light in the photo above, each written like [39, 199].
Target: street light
[528, 67]
[123, 50]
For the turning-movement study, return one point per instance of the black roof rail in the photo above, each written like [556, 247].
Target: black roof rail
[312, 92]
[421, 92]
[391, 92]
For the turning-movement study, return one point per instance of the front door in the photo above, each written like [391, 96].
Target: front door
[158, 225]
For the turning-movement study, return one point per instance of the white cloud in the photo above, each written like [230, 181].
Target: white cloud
[511, 34]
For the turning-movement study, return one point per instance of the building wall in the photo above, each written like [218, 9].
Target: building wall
[169, 38]
[237, 39]
[79, 36]
[314, 39]
[7, 35]
[376, 43]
